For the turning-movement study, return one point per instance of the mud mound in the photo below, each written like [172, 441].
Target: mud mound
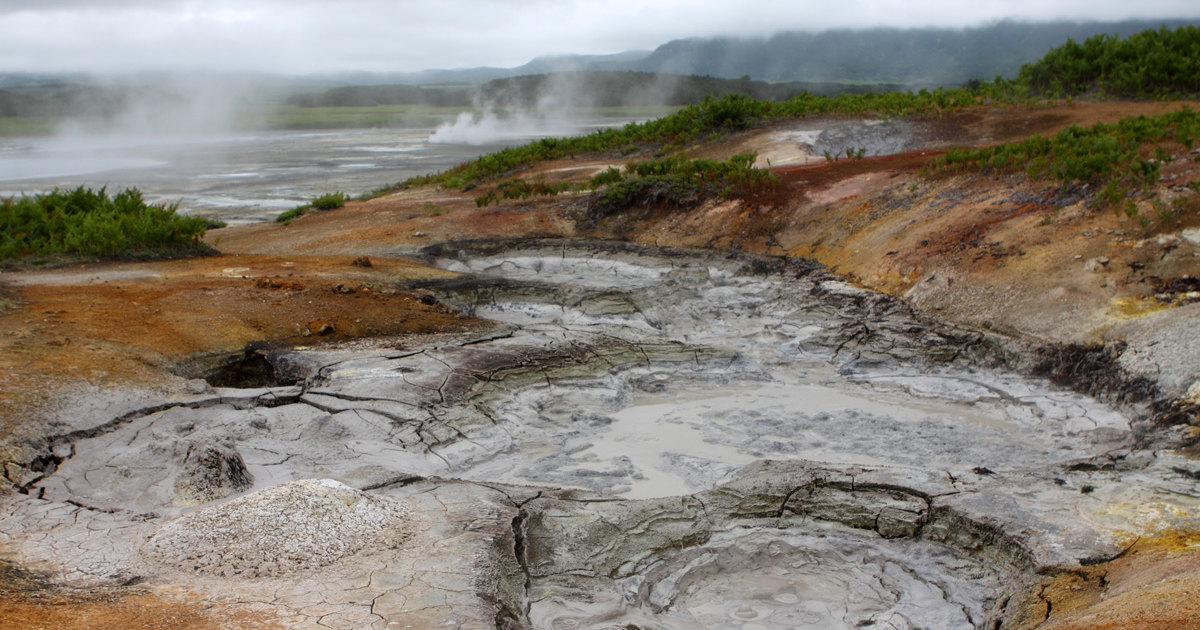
[296, 526]
[211, 472]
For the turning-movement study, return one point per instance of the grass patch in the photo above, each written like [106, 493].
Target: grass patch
[286, 217]
[674, 180]
[680, 182]
[92, 224]
[520, 189]
[28, 126]
[328, 201]
[710, 119]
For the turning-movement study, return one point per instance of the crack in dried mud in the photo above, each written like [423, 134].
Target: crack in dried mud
[648, 437]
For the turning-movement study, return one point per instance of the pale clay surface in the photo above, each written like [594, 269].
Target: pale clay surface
[663, 440]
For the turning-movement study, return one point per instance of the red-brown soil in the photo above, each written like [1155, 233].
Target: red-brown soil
[133, 323]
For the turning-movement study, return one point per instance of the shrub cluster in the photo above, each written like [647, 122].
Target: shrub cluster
[328, 201]
[679, 181]
[1159, 63]
[712, 117]
[1117, 158]
[675, 180]
[519, 189]
[90, 223]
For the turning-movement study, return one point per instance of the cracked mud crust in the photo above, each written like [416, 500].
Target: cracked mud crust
[282, 530]
[725, 366]
[571, 433]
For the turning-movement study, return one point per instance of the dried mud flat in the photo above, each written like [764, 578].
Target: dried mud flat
[598, 434]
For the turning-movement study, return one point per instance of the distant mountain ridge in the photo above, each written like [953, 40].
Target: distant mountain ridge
[920, 57]
[548, 64]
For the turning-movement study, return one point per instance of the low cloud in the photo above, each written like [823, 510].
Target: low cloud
[303, 36]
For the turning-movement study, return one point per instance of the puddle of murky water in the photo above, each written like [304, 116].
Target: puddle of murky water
[719, 432]
[691, 437]
[574, 270]
[779, 398]
[776, 580]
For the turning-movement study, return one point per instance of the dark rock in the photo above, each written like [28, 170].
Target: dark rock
[321, 328]
[1192, 474]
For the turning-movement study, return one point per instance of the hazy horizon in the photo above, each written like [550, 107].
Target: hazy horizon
[302, 37]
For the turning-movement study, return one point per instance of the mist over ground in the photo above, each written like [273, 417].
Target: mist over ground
[535, 97]
[130, 126]
[306, 36]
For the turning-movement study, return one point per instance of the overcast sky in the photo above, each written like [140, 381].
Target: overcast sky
[303, 36]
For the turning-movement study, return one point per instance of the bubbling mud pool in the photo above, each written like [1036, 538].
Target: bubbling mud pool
[645, 439]
[765, 384]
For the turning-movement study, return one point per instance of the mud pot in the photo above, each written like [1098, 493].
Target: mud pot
[644, 439]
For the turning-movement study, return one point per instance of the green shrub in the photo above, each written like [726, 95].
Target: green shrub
[92, 224]
[606, 177]
[680, 182]
[674, 190]
[1159, 63]
[520, 189]
[711, 117]
[329, 201]
[1115, 158]
[287, 216]
[673, 179]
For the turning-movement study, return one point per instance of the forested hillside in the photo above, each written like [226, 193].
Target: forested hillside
[616, 89]
[1158, 63]
[925, 57]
